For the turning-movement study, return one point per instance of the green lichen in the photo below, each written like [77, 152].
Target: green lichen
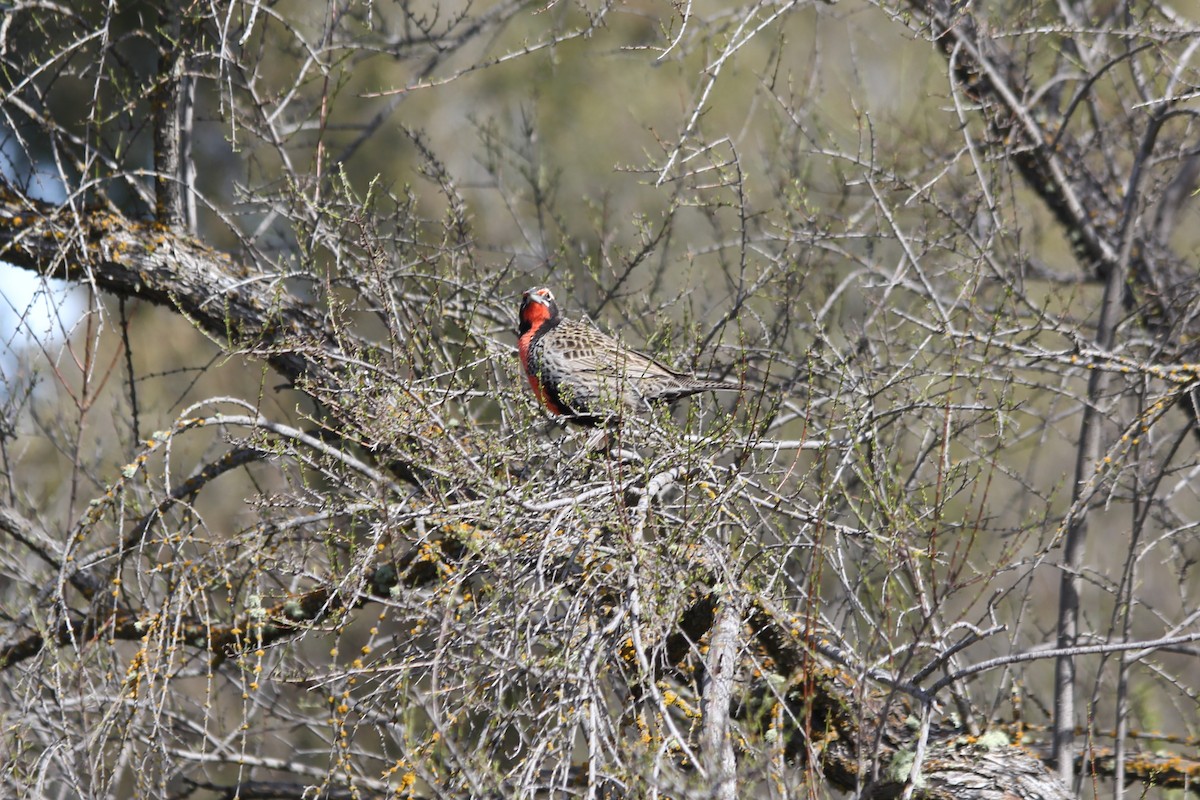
[993, 740]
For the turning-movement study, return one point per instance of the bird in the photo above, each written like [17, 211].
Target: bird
[588, 377]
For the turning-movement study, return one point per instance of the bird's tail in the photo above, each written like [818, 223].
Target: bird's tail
[695, 386]
[714, 386]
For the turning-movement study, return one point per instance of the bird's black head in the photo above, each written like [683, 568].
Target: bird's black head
[537, 308]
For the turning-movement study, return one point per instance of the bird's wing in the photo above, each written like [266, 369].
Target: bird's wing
[621, 377]
[606, 357]
[624, 364]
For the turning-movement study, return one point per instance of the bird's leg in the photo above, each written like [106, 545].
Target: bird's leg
[619, 451]
[604, 440]
[597, 440]
[595, 443]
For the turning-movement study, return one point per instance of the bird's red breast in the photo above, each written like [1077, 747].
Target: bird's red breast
[538, 314]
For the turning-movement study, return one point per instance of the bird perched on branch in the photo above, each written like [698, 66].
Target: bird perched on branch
[587, 376]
